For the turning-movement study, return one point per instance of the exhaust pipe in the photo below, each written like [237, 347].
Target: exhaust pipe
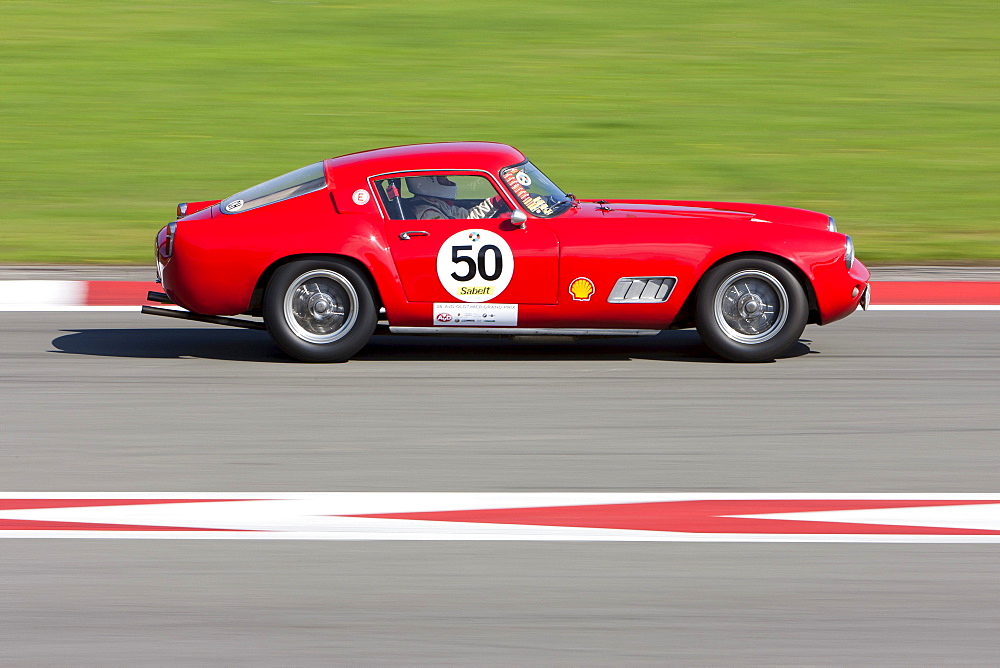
[158, 297]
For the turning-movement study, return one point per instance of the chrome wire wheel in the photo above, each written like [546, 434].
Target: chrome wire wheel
[751, 306]
[320, 306]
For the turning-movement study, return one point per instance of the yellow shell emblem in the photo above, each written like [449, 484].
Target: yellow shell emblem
[581, 289]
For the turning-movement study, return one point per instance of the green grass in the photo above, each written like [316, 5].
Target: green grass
[883, 114]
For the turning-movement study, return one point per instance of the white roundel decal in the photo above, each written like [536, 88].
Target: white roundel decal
[523, 179]
[235, 205]
[361, 197]
[475, 265]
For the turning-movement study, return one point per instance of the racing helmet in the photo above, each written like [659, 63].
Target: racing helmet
[432, 186]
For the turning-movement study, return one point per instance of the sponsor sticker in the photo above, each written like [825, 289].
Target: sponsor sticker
[475, 265]
[361, 197]
[475, 315]
[581, 288]
[523, 179]
[235, 205]
[518, 189]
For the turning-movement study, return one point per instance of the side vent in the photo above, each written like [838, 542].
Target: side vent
[642, 289]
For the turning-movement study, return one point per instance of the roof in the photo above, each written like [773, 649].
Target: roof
[445, 155]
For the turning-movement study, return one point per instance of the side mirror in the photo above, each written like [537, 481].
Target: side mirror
[518, 218]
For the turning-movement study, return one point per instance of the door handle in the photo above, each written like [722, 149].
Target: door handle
[414, 233]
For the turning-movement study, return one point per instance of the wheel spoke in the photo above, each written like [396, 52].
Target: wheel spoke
[321, 306]
[751, 306]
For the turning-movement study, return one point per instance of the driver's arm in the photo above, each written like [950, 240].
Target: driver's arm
[488, 208]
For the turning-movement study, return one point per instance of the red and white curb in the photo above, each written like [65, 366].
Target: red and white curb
[29, 295]
[75, 295]
[935, 296]
[650, 517]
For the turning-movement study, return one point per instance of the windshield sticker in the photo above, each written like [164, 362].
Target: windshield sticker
[475, 265]
[518, 189]
[538, 205]
[468, 315]
[361, 197]
[235, 205]
[535, 204]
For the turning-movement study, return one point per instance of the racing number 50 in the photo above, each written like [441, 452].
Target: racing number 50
[477, 267]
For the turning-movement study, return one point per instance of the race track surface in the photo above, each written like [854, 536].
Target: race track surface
[883, 402]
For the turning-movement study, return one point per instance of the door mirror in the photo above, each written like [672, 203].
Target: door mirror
[518, 218]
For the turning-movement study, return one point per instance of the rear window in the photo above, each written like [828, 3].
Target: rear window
[300, 182]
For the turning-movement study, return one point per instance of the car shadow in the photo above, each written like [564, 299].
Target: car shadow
[241, 345]
[256, 346]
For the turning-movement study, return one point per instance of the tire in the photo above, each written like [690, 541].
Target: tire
[319, 310]
[750, 310]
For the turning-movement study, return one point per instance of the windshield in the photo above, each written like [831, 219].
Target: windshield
[301, 181]
[534, 190]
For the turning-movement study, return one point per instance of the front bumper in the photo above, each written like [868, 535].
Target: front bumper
[840, 293]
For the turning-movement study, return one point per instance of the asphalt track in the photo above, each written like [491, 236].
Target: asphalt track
[901, 402]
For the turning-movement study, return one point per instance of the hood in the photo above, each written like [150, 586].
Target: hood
[764, 213]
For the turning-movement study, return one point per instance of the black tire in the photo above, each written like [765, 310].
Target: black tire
[750, 309]
[319, 310]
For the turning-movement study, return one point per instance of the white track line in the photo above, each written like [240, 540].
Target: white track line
[334, 516]
[71, 296]
[49, 308]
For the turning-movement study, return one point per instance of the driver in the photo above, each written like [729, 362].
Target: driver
[435, 199]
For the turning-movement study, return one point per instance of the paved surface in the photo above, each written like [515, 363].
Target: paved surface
[881, 402]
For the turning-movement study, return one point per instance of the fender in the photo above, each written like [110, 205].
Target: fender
[218, 261]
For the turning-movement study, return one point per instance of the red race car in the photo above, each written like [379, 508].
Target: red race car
[472, 238]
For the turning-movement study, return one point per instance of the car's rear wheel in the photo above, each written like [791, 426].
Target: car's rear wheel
[319, 310]
[750, 309]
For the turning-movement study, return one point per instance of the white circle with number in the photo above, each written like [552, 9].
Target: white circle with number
[523, 179]
[475, 265]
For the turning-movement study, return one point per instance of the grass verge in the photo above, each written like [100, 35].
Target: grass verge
[881, 114]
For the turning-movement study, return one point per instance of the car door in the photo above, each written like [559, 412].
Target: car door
[466, 260]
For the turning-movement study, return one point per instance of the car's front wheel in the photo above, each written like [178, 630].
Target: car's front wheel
[319, 310]
[750, 309]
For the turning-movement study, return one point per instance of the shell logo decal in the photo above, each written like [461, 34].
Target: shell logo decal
[581, 288]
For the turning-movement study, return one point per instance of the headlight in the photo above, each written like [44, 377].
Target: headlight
[849, 252]
[831, 224]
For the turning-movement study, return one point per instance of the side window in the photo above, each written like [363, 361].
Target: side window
[439, 196]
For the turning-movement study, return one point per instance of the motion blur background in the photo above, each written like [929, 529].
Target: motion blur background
[882, 114]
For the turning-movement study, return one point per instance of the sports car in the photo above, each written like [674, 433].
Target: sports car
[472, 238]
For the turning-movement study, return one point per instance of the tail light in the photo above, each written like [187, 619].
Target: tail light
[165, 240]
